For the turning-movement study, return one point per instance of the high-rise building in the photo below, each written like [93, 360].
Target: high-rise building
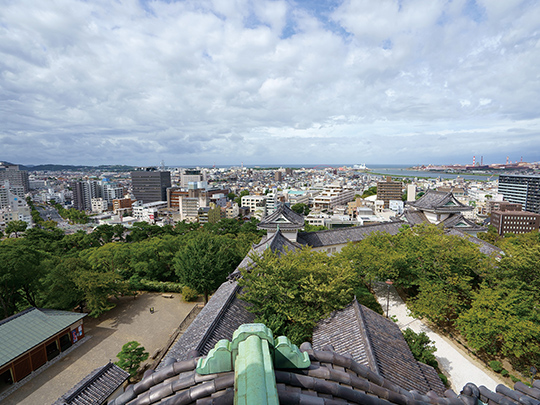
[83, 192]
[150, 184]
[389, 190]
[521, 189]
[16, 177]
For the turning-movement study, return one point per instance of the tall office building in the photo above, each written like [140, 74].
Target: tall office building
[521, 189]
[150, 184]
[389, 190]
[16, 177]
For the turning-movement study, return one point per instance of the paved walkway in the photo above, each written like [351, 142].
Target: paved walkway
[457, 364]
[130, 320]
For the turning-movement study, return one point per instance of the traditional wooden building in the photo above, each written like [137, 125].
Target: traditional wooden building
[33, 337]
[442, 208]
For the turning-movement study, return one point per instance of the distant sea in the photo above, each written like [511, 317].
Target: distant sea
[384, 169]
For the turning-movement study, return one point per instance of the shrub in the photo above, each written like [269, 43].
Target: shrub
[160, 286]
[189, 294]
[496, 366]
[514, 378]
[131, 357]
[504, 373]
[444, 379]
[421, 347]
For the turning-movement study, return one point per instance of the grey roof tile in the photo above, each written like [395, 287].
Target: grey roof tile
[485, 247]
[276, 242]
[345, 235]
[377, 343]
[439, 202]
[96, 387]
[283, 217]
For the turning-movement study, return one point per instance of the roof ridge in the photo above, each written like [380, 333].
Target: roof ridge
[15, 316]
[366, 336]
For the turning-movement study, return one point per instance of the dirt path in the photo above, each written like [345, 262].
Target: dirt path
[130, 320]
[458, 365]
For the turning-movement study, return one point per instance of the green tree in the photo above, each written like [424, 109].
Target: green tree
[503, 320]
[300, 208]
[20, 274]
[131, 357]
[204, 261]
[421, 347]
[15, 227]
[369, 192]
[313, 228]
[59, 288]
[291, 292]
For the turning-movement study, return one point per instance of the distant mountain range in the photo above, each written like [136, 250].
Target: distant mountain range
[82, 168]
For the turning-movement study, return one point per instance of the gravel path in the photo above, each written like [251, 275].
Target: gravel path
[458, 365]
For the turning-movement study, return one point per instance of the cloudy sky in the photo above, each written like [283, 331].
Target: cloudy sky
[207, 82]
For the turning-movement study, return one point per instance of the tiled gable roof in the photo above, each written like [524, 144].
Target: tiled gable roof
[394, 358]
[344, 331]
[95, 388]
[27, 329]
[276, 242]
[377, 343]
[283, 217]
[415, 217]
[234, 315]
[459, 221]
[439, 202]
[345, 235]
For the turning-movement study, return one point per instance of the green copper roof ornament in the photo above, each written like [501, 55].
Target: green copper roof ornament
[252, 355]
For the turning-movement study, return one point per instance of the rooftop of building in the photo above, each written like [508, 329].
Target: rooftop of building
[27, 329]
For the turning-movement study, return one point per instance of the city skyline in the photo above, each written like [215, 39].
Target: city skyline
[257, 82]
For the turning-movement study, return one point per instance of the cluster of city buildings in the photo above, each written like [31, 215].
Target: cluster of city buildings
[333, 197]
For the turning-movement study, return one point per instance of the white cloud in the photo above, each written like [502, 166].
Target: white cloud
[198, 82]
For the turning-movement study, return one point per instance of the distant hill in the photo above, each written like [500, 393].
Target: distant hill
[69, 168]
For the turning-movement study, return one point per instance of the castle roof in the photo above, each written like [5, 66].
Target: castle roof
[276, 242]
[459, 221]
[283, 218]
[439, 202]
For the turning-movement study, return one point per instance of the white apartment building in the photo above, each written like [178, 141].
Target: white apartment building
[147, 212]
[256, 205]
[333, 195]
[188, 208]
[99, 205]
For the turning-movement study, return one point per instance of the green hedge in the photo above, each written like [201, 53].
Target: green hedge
[160, 286]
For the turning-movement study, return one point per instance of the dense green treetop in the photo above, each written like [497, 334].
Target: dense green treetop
[292, 292]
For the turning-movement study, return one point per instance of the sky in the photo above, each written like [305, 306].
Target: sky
[227, 82]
